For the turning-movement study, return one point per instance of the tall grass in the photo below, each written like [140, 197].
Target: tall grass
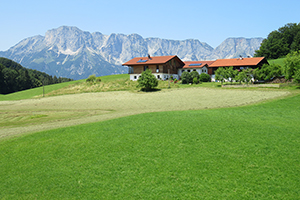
[247, 152]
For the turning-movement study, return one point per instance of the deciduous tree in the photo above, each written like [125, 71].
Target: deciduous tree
[291, 64]
[147, 81]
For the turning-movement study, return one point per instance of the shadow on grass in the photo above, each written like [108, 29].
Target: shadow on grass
[151, 90]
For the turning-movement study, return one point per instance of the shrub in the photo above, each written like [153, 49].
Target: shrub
[98, 79]
[195, 80]
[147, 81]
[91, 79]
[194, 74]
[186, 78]
[204, 77]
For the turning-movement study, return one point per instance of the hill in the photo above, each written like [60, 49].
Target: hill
[14, 77]
[71, 52]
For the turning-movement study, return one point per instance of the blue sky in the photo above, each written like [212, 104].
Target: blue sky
[210, 21]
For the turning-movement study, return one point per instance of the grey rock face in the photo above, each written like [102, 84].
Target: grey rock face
[73, 53]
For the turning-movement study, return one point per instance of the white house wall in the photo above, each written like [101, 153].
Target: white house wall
[199, 70]
[161, 76]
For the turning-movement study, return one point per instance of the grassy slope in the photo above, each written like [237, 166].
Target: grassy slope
[27, 94]
[234, 153]
[279, 61]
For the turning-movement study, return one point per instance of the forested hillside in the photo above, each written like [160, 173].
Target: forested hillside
[14, 77]
[280, 42]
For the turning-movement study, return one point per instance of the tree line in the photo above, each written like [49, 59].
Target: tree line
[280, 42]
[290, 70]
[14, 77]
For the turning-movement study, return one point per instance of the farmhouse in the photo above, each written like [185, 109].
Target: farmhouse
[199, 66]
[161, 66]
[238, 63]
[164, 67]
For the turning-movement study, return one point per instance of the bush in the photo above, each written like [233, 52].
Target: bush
[195, 80]
[186, 78]
[204, 77]
[147, 81]
[91, 79]
[195, 74]
[98, 79]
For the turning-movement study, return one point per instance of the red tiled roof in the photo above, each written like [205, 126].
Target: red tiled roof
[153, 61]
[237, 62]
[203, 63]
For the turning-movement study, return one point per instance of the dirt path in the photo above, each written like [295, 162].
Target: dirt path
[32, 115]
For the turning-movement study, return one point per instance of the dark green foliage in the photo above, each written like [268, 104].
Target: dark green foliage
[186, 78]
[280, 42]
[195, 74]
[204, 77]
[147, 81]
[269, 71]
[297, 76]
[14, 77]
[291, 64]
[245, 75]
[195, 80]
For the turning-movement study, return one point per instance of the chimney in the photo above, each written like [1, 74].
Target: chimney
[241, 57]
[149, 57]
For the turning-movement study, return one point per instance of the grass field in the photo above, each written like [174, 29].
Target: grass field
[186, 142]
[31, 115]
[249, 152]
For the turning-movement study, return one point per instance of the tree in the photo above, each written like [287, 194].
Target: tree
[297, 76]
[244, 76]
[220, 74]
[268, 71]
[230, 73]
[204, 77]
[280, 42]
[291, 64]
[147, 81]
[186, 78]
[91, 79]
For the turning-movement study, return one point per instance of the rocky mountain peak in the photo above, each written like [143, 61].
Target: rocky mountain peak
[70, 52]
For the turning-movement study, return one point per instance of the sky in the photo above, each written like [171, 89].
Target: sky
[210, 21]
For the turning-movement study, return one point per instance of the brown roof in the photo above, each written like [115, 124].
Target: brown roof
[153, 61]
[238, 62]
[196, 64]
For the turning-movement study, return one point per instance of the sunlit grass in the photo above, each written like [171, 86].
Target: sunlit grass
[247, 152]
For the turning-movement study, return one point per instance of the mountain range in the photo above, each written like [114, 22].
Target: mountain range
[70, 52]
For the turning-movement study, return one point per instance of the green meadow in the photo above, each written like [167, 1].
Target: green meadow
[178, 143]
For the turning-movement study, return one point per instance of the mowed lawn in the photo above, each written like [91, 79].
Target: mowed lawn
[249, 152]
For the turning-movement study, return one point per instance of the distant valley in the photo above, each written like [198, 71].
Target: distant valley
[70, 52]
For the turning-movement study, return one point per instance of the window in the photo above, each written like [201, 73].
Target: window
[130, 70]
[145, 67]
[134, 77]
[195, 64]
[157, 68]
[141, 61]
[194, 70]
[158, 76]
[189, 70]
[183, 70]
